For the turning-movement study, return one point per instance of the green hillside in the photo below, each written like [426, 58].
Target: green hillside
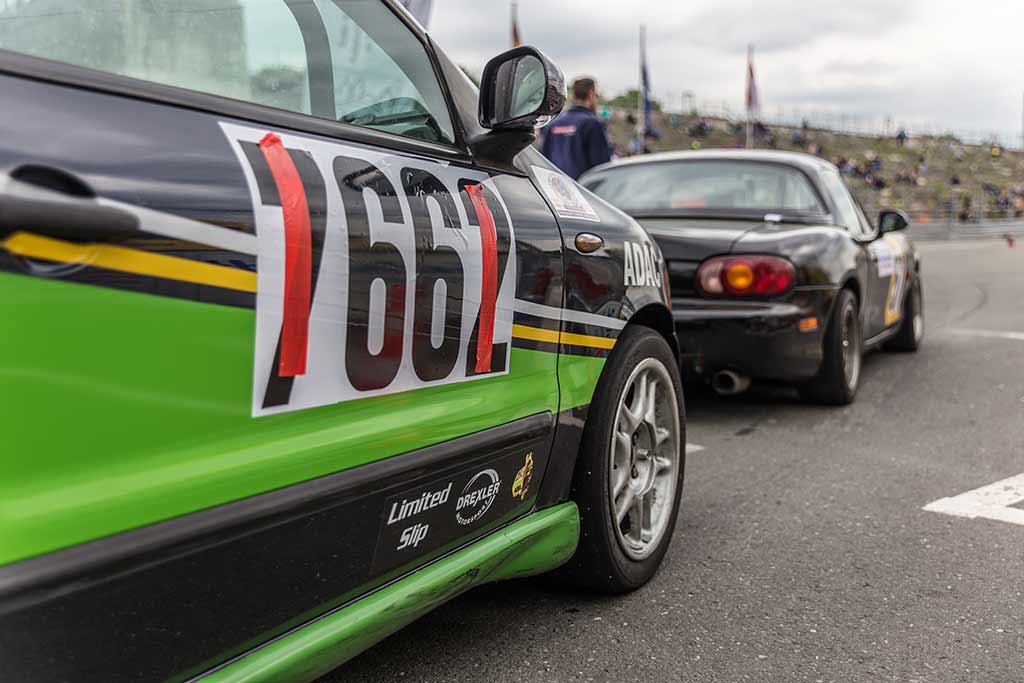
[930, 177]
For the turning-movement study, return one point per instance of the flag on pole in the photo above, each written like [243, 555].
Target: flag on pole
[752, 103]
[752, 100]
[645, 85]
[516, 39]
[420, 9]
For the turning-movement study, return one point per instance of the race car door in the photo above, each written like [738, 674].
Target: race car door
[850, 216]
[888, 261]
[254, 290]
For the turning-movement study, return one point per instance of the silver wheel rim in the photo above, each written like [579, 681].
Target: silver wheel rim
[851, 347]
[644, 459]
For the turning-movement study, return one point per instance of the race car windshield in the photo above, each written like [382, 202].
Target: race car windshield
[707, 187]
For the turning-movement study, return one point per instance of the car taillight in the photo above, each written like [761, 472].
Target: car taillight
[747, 275]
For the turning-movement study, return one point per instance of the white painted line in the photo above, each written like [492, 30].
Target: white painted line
[693, 448]
[991, 334]
[990, 502]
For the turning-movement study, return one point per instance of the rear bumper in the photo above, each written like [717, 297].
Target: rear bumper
[532, 545]
[757, 338]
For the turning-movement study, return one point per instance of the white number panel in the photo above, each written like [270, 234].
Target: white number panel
[377, 273]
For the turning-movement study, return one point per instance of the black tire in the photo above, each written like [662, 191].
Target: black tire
[837, 381]
[600, 563]
[911, 333]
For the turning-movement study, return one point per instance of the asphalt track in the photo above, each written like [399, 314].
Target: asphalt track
[803, 552]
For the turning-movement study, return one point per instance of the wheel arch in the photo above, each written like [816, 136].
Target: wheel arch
[657, 317]
[853, 284]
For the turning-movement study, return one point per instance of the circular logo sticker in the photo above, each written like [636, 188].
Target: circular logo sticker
[477, 496]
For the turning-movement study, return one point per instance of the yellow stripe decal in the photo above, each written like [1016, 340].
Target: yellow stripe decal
[554, 337]
[586, 340]
[130, 261]
[535, 334]
[186, 270]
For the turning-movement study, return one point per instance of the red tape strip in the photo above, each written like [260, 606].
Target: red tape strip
[489, 287]
[298, 256]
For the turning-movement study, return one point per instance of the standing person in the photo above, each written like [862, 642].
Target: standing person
[576, 140]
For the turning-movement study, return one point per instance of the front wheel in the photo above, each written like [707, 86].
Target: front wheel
[837, 381]
[629, 476]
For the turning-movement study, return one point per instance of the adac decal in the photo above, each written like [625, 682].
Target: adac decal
[521, 484]
[641, 265]
[376, 273]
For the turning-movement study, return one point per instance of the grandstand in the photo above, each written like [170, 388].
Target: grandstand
[934, 179]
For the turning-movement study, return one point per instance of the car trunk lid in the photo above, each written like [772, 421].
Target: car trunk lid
[686, 242]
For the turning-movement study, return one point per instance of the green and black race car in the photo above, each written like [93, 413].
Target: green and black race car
[301, 339]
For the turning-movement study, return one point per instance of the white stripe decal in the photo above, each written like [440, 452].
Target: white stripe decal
[169, 225]
[994, 501]
[542, 311]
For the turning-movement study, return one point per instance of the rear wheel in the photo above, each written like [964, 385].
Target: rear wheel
[837, 381]
[629, 475]
[911, 332]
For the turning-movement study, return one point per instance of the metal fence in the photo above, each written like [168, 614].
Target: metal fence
[952, 229]
[851, 124]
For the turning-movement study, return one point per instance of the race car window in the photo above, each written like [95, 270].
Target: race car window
[869, 229]
[715, 185]
[348, 60]
[847, 214]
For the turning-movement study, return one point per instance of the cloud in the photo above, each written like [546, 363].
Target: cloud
[774, 25]
[945, 62]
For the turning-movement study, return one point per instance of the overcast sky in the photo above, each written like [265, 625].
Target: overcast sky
[943, 63]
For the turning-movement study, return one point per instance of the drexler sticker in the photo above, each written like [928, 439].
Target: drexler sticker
[565, 196]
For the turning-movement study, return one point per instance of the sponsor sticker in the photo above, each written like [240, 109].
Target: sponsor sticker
[424, 518]
[477, 497]
[565, 196]
[886, 256]
[891, 255]
[521, 484]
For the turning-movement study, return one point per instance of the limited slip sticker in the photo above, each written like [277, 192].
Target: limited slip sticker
[422, 519]
[565, 196]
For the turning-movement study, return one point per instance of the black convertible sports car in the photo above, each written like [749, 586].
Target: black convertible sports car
[775, 270]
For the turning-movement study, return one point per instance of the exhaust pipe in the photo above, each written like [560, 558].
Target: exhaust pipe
[729, 383]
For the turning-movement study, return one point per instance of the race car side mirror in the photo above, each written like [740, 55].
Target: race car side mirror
[891, 221]
[520, 91]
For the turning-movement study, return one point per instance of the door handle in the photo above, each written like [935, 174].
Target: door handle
[32, 207]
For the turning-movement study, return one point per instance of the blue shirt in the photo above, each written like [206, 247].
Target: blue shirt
[576, 141]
